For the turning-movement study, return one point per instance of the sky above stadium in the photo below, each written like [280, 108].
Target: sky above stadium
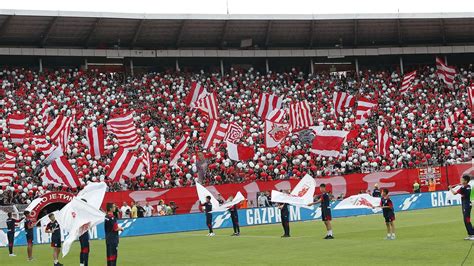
[245, 6]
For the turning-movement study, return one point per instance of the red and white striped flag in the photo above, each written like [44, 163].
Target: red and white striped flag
[267, 103]
[215, 133]
[7, 170]
[58, 130]
[42, 145]
[146, 161]
[445, 72]
[383, 141]
[364, 106]
[329, 142]
[450, 120]
[407, 82]
[300, 115]
[16, 124]
[239, 152]
[196, 92]
[95, 141]
[10, 155]
[209, 105]
[342, 100]
[234, 133]
[470, 92]
[124, 164]
[179, 149]
[278, 115]
[60, 172]
[123, 127]
[44, 112]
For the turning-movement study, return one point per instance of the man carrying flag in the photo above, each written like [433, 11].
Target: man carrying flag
[465, 192]
[55, 231]
[325, 210]
[207, 208]
[111, 229]
[285, 218]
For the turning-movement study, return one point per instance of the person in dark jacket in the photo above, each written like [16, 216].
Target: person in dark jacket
[285, 219]
[234, 215]
[111, 229]
[11, 233]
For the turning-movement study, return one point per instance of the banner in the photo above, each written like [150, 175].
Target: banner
[361, 201]
[397, 181]
[247, 217]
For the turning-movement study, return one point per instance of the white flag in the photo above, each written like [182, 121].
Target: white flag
[203, 193]
[302, 194]
[3, 239]
[224, 207]
[76, 218]
[93, 193]
[360, 201]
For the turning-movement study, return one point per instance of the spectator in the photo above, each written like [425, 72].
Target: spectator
[376, 193]
[140, 211]
[148, 210]
[125, 211]
[173, 207]
[416, 187]
[134, 210]
[432, 185]
[220, 199]
[262, 200]
[161, 208]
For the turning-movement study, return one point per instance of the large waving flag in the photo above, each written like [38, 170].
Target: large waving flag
[364, 107]
[234, 133]
[301, 195]
[215, 133]
[407, 82]
[278, 115]
[470, 93]
[60, 172]
[203, 193]
[7, 171]
[76, 218]
[16, 124]
[42, 145]
[58, 130]
[275, 133]
[179, 149]
[267, 103]
[383, 141]
[360, 201]
[445, 72]
[300, 116]
[95, 141]
[209, 105]
[342, 100]
[124, 129]
[196, 92]
[238, 152]
[329, 142]
[124, 164]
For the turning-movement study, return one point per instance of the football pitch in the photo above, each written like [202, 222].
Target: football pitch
[424, 237]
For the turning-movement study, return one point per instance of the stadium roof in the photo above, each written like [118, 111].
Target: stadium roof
[27, 28]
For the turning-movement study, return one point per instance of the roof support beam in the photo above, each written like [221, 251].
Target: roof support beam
[311, 33]
[45, 34]
[267, 35]
[399, 31]
[92, 32]
[179, 37]
[4, 25]
[356, 32]
[443, 31]
[137, 33]
[224, 34]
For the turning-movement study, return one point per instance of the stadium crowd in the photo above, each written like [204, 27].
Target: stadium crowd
[415, 120]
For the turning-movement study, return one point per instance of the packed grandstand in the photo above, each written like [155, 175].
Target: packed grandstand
[418, 121]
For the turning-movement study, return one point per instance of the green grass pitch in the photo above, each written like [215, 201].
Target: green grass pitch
[424, 237]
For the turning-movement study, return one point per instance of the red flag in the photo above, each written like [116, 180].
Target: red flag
[364, 106]
[342, 100]
[59, 130]
[215, 133]
[275, 133]
[239, 152]
[7, 171]
[234, 133]
[407, 82]
[208, 105]
[16, 124]
[383, 141]
[329, 142]
[300, 116]
[124, 164]
[196, 92]
[445, 72]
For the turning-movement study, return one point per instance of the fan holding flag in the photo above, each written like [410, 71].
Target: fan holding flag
[465, 192]
[325, 210]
